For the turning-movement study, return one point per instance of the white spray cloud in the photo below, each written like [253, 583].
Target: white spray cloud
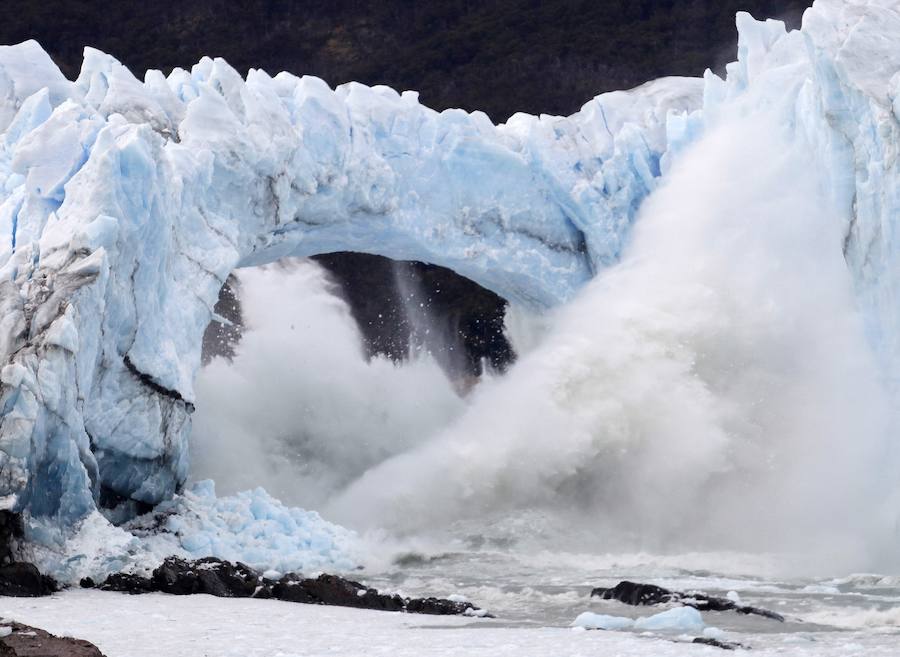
[300, 410]
[714, 389]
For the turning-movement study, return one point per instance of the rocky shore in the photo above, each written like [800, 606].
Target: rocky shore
[225, 579]
[18, 640]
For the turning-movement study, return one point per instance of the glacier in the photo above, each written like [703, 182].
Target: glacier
[125, 204]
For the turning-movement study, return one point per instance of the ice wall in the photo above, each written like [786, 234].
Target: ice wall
[126, 204]
[837, 85]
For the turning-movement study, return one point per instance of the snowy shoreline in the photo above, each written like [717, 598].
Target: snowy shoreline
[156, 624]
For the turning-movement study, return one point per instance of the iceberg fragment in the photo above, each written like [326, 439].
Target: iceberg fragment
[678, 619]
[250, 527]
[591, 621]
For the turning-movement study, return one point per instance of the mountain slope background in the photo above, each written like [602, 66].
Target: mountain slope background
[498, 56]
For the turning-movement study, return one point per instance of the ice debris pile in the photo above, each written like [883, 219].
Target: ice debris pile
[126, 203]
[250, 527]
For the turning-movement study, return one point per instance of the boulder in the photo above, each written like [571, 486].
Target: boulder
[437, 606]
[10, 533]
[24, 580]
[25, 641]
[632, 593]
[210, 575]
[334, 590]
[125, 583]
[290, 589]
[718, 643]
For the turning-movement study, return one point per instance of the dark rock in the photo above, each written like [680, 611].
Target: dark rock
[290, 589]
[467, 317]
[236, 580]
[87, 583]
[28, 641]
[334, 590]
[635, 594]
[648, 594]
[716, 643]
[226, 579]
[264, 590]
[24, 580]
[127, 583]
[10, 533]
[703, 602]
[210, 575]
[437, 606]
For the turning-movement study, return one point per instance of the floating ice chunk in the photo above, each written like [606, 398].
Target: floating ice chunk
[475, 613]
[591, 621]
[679, 619]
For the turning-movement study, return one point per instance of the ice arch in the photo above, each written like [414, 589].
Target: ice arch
[126, 204]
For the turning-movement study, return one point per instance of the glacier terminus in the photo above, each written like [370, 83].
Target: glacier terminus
[125, 204]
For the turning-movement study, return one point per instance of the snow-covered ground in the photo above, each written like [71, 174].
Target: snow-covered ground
[153, 625]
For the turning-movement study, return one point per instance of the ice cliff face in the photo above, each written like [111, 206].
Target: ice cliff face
[126, 204]
[837, 84]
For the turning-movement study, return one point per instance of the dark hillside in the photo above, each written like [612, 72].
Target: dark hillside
[500, 56]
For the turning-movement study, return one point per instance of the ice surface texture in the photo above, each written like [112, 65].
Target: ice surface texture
[124, 205]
